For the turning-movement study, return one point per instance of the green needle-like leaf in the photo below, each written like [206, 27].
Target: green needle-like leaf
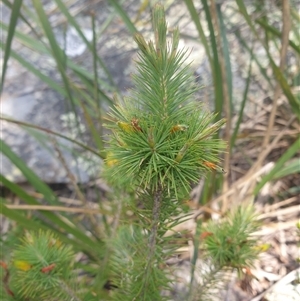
[161, 132]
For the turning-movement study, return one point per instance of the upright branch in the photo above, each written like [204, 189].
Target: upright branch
[152, 240]
[155, 222]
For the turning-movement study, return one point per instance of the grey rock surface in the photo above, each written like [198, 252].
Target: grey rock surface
[27, 99]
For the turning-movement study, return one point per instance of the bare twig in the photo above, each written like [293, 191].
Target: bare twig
[283, 281]
[283, 52]
[65, 200]
[253, 174]
[42, 129]
[54, 208]
[284, 211]
[283, 203]
[275, 227]
[76, 187]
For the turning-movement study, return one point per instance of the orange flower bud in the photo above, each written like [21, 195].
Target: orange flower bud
[3, 264]
[213, 166]
[48, 268]
[135, 124]
[205, 234]
[179, 128]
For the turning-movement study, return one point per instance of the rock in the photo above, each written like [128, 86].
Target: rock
[42, 107]
[26, 98]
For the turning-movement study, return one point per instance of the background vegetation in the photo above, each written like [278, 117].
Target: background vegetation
[263, 143]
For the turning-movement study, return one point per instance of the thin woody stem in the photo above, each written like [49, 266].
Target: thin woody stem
[65, 287]
[152, 242]
[155, 222]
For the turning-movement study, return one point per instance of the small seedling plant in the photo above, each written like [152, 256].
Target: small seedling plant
[162, 140]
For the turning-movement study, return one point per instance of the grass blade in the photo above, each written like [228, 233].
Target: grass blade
[276, 32]
[85, 76]
[124, 16]
[216, 71]
[15, 11]
[41, 187]
[30, 176]
[241, 113]
[226, 54]
[93, 130]
[27, 40]
[63, 9]
[294, 101]
[195, 18]
[77, 142]
[255, 58]
[291, 167]
[57, 53]
[51, 83]
[31, 224]
[294, 148]
[21, 16]
[50, 216]
[243, 11]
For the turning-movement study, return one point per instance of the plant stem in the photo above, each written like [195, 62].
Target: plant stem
[65, 287]
[155, 222]
[202, 290]
[152, 240]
